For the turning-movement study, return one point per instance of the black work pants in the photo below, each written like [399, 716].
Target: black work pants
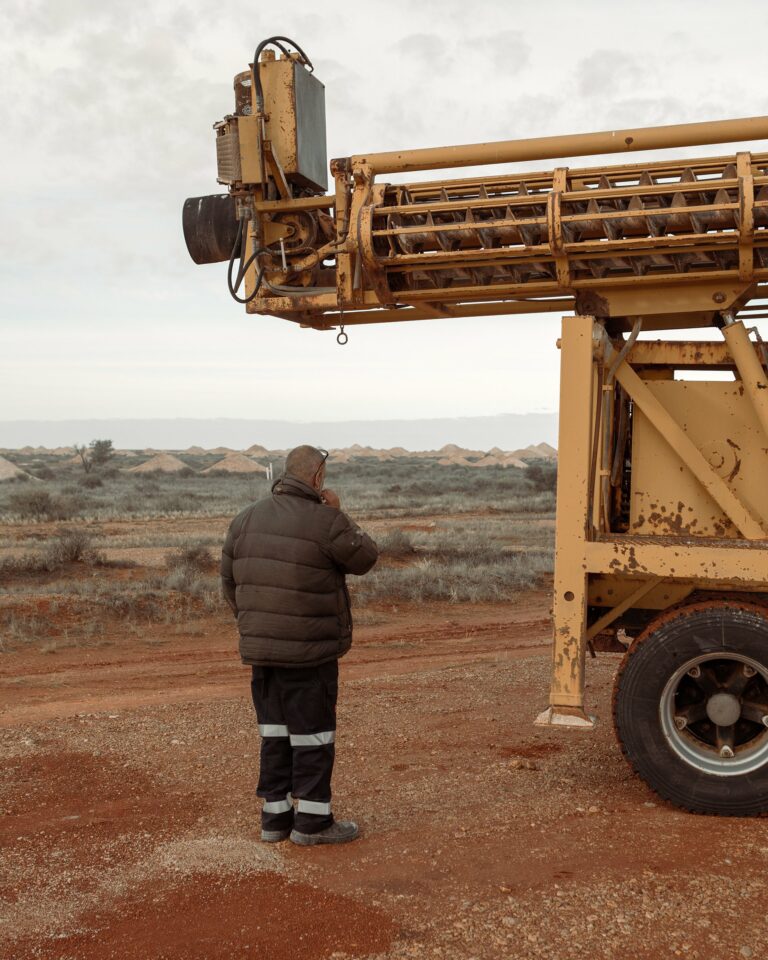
[296, 711]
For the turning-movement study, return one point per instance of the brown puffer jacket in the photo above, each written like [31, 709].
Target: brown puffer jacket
[283, 572]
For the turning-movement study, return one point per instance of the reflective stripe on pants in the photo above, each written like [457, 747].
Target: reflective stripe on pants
[278, 806]
[312, 739]
[273, 730]
[315, 807]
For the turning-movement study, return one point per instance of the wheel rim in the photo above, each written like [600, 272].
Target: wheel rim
[714, 713]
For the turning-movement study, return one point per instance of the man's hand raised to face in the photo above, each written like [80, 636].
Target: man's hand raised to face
[331, 498]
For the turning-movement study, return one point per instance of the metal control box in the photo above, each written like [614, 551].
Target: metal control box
[294, 125]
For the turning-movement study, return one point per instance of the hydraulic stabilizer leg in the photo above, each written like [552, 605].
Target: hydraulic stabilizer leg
[573, 503]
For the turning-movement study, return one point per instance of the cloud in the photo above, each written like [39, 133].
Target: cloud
[107, 111]
[605, 73]
[646, 112]
[423, 47]
[508, 50]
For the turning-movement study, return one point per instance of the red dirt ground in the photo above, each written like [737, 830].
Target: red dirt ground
[129, 828]
[220, 917]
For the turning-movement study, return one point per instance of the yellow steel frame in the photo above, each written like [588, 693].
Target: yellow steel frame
[363, 291]
[584, 552]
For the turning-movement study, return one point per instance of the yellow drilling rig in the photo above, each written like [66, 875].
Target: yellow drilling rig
[662, 498]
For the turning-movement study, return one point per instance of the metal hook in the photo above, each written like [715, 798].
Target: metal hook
[341, 337]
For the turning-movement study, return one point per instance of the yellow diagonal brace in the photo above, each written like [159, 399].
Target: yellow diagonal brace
[740, 514]
[750, 369]
[645, 587]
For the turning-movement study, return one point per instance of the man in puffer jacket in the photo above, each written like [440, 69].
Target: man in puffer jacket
[283, 570]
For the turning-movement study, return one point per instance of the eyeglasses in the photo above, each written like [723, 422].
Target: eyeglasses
[322, 462]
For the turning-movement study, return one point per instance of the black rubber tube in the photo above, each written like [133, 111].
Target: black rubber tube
[278, 42]
[241, 270]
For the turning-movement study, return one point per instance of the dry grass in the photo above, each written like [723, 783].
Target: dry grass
[495, 540]
[473, 579]
[483, 560]
[68, 545]
[20, 628]
[369, 489]
[190, 556]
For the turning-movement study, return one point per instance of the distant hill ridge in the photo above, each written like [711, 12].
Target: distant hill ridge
[512, 431]
[168, 458]
[256, 458]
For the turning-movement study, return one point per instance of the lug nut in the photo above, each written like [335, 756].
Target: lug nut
[681, 722]
[695, 671]
[726, 753]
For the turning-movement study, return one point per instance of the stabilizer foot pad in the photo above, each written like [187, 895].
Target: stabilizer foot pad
[556, 717]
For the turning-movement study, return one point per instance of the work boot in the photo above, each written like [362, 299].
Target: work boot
[341, 831]
[275, 836]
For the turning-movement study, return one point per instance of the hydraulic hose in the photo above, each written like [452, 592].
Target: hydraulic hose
[277, 289]
[278, 42]
[283, 291]
[241, 270]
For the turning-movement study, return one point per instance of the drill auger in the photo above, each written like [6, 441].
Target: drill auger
[571, 237]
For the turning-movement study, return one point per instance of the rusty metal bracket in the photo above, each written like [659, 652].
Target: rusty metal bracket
[615, 612]
[277, 171]
[274, 232]
[555, 227]
[746, 220]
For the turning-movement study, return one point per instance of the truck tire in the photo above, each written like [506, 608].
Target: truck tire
[690, 707]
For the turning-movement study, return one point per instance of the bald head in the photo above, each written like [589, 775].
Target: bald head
[304, 462]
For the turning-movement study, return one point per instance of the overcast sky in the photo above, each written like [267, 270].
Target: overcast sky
[106, 110]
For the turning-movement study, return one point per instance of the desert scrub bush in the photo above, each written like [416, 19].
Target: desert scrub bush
[460, 579]
[533, 503]
[150, 536]
[187, 566]
[183, 580]
[32, 504]
[149, 485]
[400, 488]
[129, 601]
[126, 600]
[18, 628]
[73, 545]
[41, 471]
[127, 505]
[193, 556]
[69, 545]
[395, 543]
[542, 475]
[28, 564]
[90, 481]
[469, 561]
[421, 487]
[35, 504]
[469, 537]
[183, 502]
